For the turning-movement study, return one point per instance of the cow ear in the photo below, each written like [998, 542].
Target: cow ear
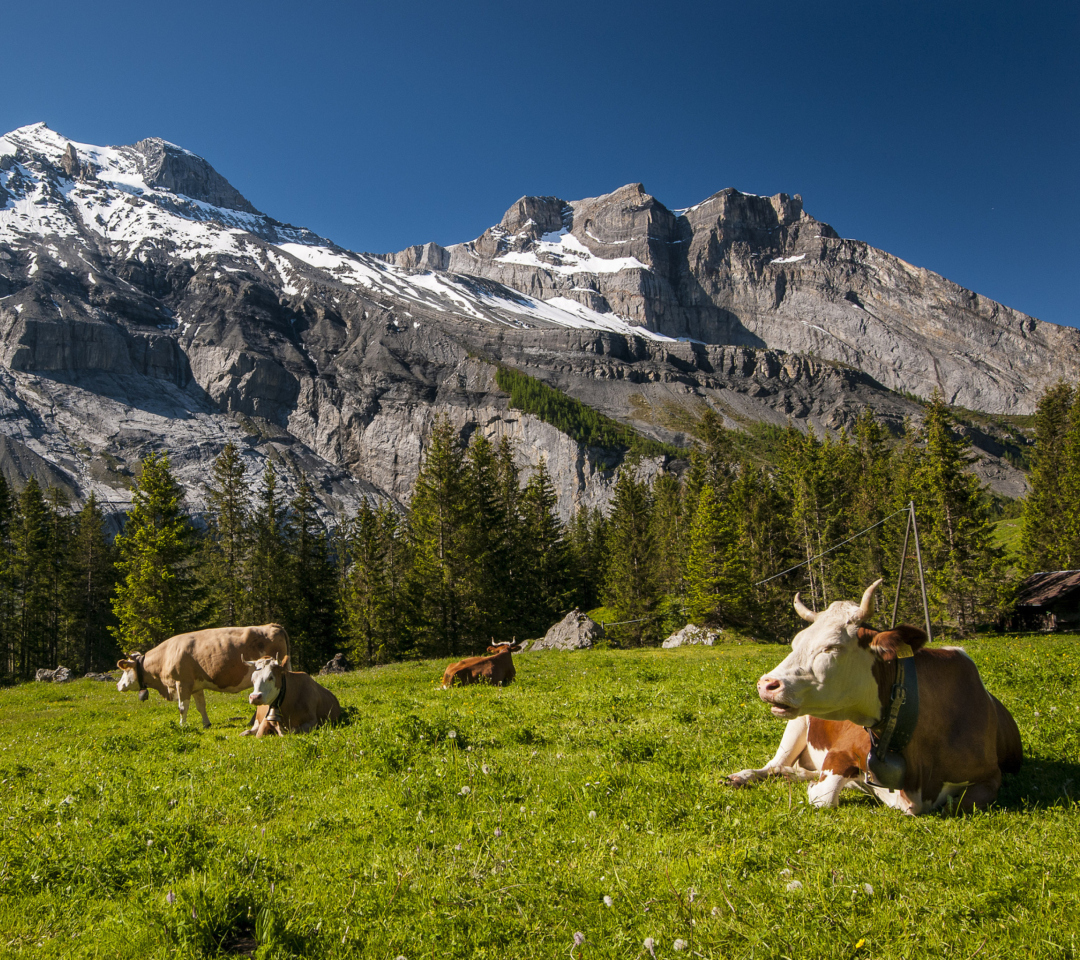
[124, 664]
[889, 642]
[250, 663]
[866, 635]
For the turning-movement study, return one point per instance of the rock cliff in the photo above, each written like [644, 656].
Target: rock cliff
[145, 304]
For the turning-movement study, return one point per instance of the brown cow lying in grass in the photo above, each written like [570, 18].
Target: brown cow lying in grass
[182, 667]
[497, 668]
[288, 701]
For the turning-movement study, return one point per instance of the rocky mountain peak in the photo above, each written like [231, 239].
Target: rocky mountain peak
[165, 165]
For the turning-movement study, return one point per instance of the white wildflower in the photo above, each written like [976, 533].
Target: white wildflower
[793, 887]
[608, 902]
[592, 814]
[485, 769]
[679, 945]
[868, 890]
[785, 873]
[498, 831]
[579, 938]
[465, 791]
[650, 945]
[716, 911]
[452, 734]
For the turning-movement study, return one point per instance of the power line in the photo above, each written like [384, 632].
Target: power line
[837, 546]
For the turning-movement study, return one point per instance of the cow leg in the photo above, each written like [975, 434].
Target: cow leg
[183, 695]
[200, 702]
[792, 744]
[826, 792]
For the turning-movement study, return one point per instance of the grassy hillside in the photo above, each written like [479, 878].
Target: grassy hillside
[494, 823]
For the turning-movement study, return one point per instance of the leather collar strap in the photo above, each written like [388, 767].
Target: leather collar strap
[894, 731]
[137, 658]
[272, 714]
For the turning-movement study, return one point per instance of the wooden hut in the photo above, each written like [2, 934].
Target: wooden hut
[1049, 600]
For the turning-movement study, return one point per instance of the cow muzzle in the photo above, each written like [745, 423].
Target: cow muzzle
[772, 691]
[255, 698]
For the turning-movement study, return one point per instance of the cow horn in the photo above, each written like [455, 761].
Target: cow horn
[804, 611]
[866, 608]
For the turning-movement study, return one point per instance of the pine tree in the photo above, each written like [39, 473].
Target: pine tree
[1049, 502]
[587, 538]
[158, 594]
[630, 584]
[671, 529]
[312, 615]
[716, 575]
[8, 633]
[228, 537]
[267, 578]
[965, 575]
[31, 576]
[438, 529]
[547, 559]
[91, 585]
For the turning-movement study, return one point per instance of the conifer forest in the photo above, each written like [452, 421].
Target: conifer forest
[482, 553]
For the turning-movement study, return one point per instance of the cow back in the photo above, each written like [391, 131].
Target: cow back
[216, 656]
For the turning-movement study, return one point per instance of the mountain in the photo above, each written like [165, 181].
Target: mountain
[146, 304]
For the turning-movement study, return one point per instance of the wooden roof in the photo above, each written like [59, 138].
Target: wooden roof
[1047, 587]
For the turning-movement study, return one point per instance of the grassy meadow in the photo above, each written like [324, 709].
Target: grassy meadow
[586, 798]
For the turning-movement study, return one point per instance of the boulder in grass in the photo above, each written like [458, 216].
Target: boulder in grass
[340, 664]
[576, 631]
[100, 677]
[691, 634]
[59, 675]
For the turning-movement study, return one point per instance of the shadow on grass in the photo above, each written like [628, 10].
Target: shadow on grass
[1041, 783]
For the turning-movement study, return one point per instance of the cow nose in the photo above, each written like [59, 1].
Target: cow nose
[768, 686]
[254, 698]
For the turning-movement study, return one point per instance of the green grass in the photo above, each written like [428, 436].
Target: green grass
[597, 774]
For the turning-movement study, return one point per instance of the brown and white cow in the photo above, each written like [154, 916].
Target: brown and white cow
[182, 667]
[288, 700]
[497, 668]
[836, 684]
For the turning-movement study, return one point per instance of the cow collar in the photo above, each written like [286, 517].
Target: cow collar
[272, 713]
[140, 675]
[893, 732]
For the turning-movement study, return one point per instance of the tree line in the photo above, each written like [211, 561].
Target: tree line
[482, 552]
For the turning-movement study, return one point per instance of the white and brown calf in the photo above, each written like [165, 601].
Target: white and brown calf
[288, 701]
[837, 682]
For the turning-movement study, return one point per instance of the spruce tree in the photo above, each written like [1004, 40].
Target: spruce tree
[547, 559]
[267, 576]
[488, 591]
[91, 585]
[227, 542]
[716, 574]
[32, 579]
[158, 594]
[312, 616]
[8, 642]
[630, 582]
[587, 538]
[1049, 503]
[438, 526]
[965, 574]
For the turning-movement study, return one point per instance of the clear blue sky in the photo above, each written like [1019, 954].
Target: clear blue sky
[945, 132]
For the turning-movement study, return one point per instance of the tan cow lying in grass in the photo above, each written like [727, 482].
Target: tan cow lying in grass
[498, 668]
[841, 692]
[288, 701]
[184, 666]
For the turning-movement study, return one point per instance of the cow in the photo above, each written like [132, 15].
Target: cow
[182, 667]
[497, 668]
[287, 700]
[840, 691]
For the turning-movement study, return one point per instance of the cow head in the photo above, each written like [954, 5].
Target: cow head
[266, 679]
[830, 671]
[504, 648]
[129, 679]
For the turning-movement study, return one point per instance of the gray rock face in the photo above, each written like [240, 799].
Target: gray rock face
[175, 169]
[574, 632]
[176, 317]
[690, 635]
[760, 271]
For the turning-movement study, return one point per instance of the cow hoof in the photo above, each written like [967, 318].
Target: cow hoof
[740, 779]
